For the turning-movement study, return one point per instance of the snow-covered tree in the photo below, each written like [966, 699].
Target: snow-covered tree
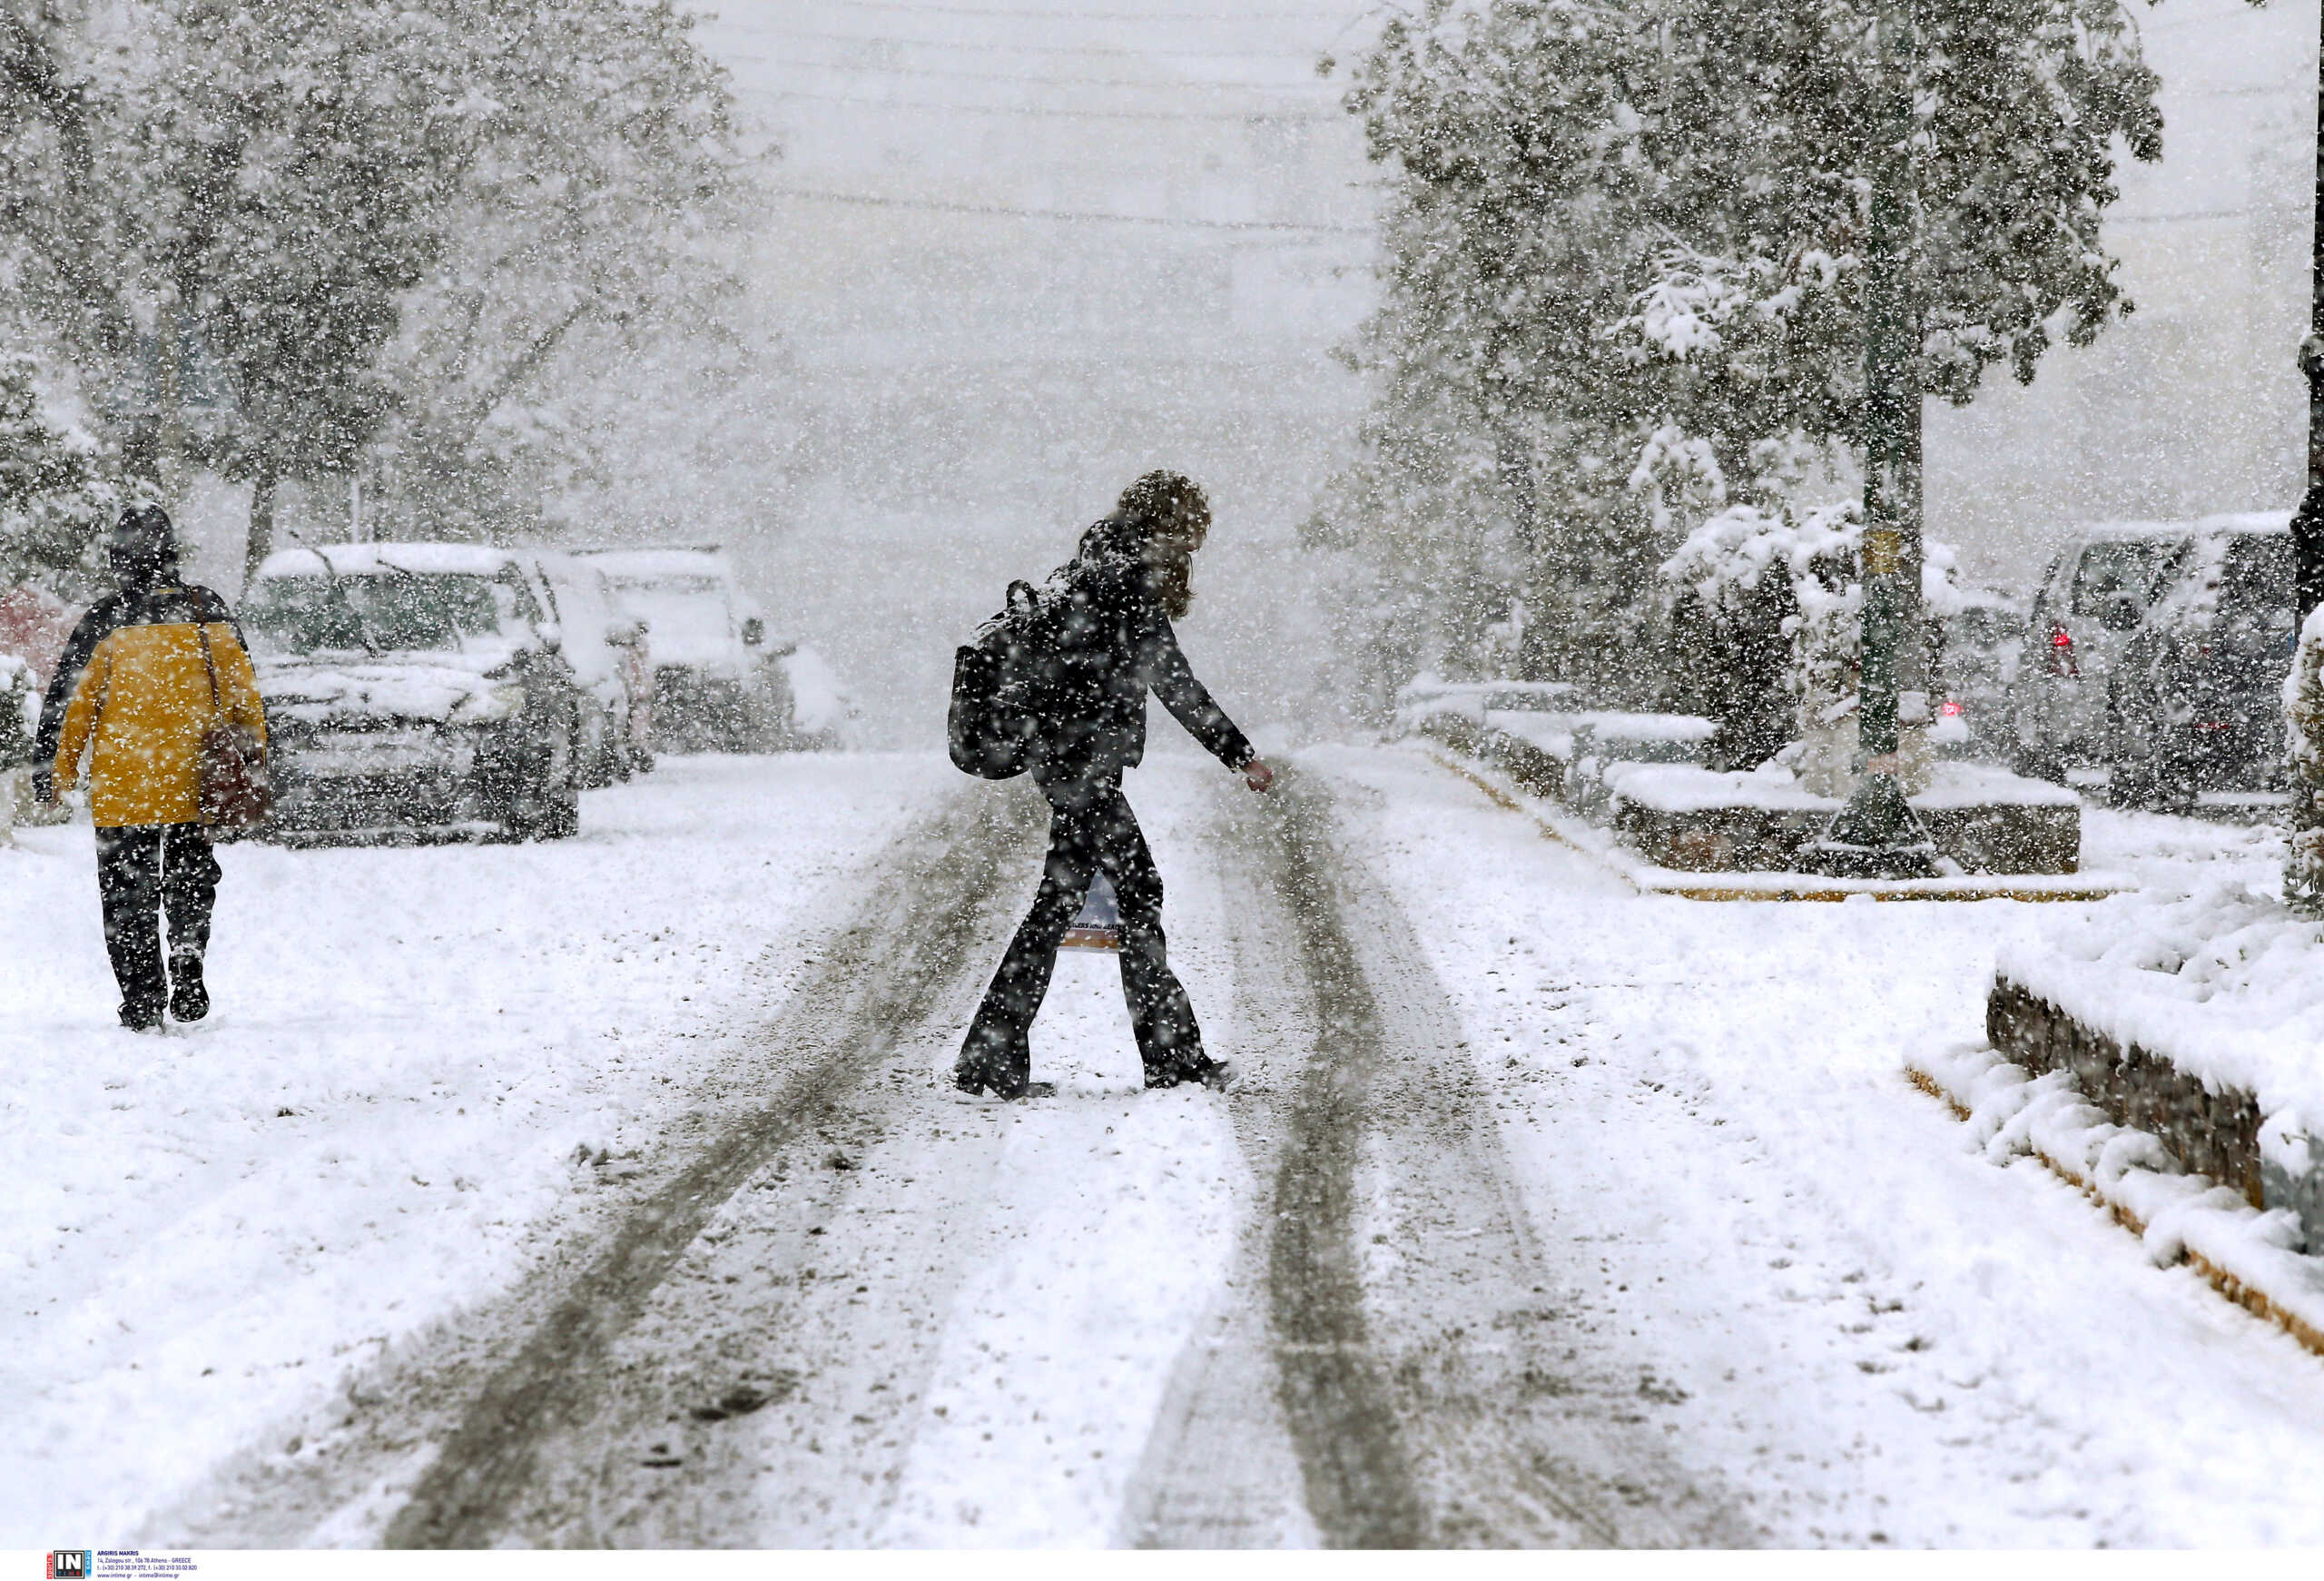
[584, 234]
[1769, 612]
[376, 224]
[286, 166]
[54, 495]
[1625, 246]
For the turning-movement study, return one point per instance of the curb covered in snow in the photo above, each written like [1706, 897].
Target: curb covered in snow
[1476, 756]
[2245, 1252]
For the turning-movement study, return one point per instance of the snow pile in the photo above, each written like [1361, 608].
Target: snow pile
[1679, 788]
[1426, 695]
[1953, 784]
[1606, 736]
[2245, 1251]
[2226, 983]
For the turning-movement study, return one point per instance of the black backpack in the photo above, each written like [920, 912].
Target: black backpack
[993, 723]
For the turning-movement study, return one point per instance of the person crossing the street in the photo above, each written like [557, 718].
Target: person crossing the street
[1112, 644]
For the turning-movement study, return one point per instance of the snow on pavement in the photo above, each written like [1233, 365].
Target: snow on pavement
[1829, 1309]
[1869, 1334]
[1117, 1215]
[377, 1126]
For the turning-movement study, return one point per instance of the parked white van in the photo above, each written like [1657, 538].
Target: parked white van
[606, 646]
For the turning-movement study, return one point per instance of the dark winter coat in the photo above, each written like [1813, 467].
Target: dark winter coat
[1112, 643]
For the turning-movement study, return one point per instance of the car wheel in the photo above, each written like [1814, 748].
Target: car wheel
[2132, 782]
[2035, 763]
[560, 785]
[596, 753]
[547, 802]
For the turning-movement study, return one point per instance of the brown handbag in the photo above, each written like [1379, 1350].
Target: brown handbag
[233, 789]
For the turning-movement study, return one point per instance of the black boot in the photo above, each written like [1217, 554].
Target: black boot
[141, 1015]
[1217, 1075]
[993, 1063]
[188, 1000]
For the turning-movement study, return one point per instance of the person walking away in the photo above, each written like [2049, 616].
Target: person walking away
[1111, 643]
[146, 673]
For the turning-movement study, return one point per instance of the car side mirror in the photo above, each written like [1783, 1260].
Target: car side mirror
[754, 632]
[550, 636]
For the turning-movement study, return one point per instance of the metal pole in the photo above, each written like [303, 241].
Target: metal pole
[2303, 874]
[1876, 835]
[2307, 521]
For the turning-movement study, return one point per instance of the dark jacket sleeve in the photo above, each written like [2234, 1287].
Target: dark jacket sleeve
[79, 650]
[1164, 663]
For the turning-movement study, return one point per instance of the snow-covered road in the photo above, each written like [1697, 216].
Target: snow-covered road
[1546, 1212]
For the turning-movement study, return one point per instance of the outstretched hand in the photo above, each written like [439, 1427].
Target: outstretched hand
[1257, 775]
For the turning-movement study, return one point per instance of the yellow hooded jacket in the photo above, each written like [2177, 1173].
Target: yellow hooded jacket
[133, 690]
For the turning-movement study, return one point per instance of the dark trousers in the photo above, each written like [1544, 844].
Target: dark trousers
[145, 873]
[1091, 827]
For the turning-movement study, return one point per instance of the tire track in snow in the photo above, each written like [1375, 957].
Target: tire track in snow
[903, 948]
[422, 1422]
[1429, 1391]
[1361, 1488]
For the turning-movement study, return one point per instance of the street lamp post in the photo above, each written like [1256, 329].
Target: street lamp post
[2304, 867]
[1876, 835]
[2307, 521]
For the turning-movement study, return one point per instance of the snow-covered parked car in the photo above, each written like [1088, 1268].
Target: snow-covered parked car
[606, 646]
[1981, 645]
[2091, 601]
[2199, 693]
[718, 685]
[416, 686]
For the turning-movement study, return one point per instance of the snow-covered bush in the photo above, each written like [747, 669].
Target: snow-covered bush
[1796, 570]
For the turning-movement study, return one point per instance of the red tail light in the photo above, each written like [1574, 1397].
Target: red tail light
[1949, 708]
[2062, 659]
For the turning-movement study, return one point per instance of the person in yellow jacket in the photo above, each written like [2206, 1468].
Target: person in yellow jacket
[147, 672]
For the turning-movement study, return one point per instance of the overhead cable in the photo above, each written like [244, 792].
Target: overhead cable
[987, 46]
[1173, 84]
[1045, 110]
[1070, 216]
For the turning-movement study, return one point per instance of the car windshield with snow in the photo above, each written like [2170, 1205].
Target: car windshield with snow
[384, 611]
[416, 688]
